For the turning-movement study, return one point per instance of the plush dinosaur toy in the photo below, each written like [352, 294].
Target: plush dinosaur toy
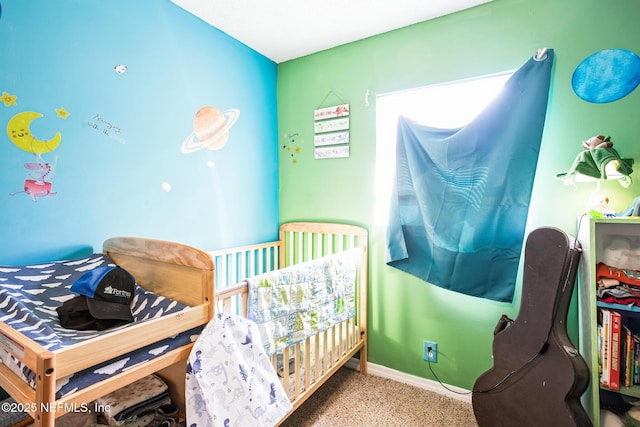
[598, 141]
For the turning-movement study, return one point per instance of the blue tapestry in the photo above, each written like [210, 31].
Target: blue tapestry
[461, 196]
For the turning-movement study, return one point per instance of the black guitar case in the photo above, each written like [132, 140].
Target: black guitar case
[538, 375]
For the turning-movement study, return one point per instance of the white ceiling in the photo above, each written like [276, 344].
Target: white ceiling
[288, 29]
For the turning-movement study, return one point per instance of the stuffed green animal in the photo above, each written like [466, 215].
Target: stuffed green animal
[598, 141]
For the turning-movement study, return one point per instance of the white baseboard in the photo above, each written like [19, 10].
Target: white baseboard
[423, 383]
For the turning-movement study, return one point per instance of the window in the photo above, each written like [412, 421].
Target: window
[448, 106]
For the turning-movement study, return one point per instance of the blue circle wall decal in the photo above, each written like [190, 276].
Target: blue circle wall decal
[606, 76]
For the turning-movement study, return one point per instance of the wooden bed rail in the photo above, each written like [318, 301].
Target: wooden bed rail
[159, 250]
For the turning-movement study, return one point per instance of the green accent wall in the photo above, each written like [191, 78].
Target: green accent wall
[494, 37]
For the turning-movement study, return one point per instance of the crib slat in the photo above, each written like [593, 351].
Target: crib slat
[347, 336]
[285, 370]
[226, 306]
[325, 352]
[344, 339]
[275, 261]
[243, 304]
[221, 272]
[307, 363]
[298, 240]
[352, 340]
[296, 370]
[317, 368]
[233, 267]
[317, 245]
[309, 245]
[329, 351]
[262, 254]
[333, 344]
[337, 344]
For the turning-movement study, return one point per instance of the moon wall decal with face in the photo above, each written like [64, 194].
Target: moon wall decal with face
[20, 134]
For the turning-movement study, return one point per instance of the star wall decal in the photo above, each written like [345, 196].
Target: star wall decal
[8, 99]
[62, 113]
[292, 138]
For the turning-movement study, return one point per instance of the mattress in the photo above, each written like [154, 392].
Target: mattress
[29, 296]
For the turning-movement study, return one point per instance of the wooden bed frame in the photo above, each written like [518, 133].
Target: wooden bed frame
[299, 242]
[170, 269]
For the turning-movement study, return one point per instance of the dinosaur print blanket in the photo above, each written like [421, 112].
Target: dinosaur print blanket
[230, 380]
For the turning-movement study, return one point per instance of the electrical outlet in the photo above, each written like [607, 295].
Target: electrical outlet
[430, 351]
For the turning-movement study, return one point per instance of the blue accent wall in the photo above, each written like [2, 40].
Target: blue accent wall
[121, 167]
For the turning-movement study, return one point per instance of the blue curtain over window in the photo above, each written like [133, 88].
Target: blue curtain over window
[461, 196]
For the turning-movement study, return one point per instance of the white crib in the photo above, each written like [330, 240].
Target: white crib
[314, 360]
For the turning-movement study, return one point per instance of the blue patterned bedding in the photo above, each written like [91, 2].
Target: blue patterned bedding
[29, 296]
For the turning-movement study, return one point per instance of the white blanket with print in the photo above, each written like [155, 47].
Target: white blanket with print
[230, 380]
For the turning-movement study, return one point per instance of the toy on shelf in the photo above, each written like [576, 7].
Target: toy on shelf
[598, 206]
[598, 141]
[598, 161]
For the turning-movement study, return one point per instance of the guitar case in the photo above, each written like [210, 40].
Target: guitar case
[538, 375]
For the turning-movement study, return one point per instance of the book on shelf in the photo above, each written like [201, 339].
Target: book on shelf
[618, 351]
[604, 340]
[636, 360]
[616, 328]
[600, 346]
[626, 356]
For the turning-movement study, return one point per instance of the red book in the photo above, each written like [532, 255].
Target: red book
[616, 328]
[605, 347]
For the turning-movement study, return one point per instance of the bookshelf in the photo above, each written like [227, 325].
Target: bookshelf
[594, 234]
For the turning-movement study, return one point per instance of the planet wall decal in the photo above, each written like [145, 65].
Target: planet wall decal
[210, 129]
[606, 76]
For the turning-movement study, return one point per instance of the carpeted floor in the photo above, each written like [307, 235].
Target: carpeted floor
[349, 399]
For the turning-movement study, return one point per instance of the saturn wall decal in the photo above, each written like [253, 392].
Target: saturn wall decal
[210, 129]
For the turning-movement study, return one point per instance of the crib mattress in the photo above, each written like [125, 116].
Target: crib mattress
[29, 296]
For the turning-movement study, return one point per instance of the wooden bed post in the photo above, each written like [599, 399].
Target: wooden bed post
[44, 416]
[283, 249]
